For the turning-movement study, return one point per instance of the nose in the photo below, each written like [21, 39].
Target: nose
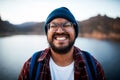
[60, 30]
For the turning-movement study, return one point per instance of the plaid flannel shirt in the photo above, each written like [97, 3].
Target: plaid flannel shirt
[80, 72]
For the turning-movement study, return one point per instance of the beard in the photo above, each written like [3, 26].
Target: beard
[63, 49]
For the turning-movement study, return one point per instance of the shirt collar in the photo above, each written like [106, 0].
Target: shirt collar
[77, 55]
[44, 54]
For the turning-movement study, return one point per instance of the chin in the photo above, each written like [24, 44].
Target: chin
[62, 49]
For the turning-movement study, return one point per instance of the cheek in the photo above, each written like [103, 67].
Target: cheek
[72, 33]
[49, 35]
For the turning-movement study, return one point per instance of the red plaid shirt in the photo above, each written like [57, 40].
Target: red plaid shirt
[80, 72]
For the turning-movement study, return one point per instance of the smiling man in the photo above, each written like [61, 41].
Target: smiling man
[62, 60]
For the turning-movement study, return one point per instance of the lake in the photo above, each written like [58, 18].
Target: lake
[15, 50]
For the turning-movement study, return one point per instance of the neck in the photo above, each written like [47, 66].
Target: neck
[63, 59]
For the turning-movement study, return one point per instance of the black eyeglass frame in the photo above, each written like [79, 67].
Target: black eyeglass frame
[62, 25]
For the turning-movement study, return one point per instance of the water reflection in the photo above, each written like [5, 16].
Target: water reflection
[15, 50]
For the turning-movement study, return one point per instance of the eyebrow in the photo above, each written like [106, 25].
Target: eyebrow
[60, 22]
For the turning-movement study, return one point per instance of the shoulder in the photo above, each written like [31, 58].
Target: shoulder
[90, 56]
[35, 55]
[40, 55]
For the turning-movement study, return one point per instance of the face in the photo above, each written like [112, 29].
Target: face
[61, 35]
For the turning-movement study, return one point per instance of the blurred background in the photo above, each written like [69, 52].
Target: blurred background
[22, 32]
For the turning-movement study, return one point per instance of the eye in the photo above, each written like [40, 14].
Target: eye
[52, 25]
[68, 24]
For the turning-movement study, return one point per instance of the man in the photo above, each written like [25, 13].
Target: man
[62, 60]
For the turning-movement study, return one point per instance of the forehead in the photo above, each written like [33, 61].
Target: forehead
[59, 20]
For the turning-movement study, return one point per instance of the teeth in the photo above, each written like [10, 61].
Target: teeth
[60, 38]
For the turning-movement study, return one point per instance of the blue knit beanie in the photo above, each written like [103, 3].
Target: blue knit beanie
[62, 12]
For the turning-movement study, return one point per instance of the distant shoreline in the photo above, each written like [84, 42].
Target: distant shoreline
[97, 27]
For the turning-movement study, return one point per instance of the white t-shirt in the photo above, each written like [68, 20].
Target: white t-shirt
[61, 73]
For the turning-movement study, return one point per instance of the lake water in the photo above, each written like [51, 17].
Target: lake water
[15, 50]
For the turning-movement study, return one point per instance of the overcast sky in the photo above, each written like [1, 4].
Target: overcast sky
[19, 11]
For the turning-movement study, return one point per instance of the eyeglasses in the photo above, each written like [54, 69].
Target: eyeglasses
[55, 26]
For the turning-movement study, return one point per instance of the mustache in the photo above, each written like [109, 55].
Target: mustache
[62, 34]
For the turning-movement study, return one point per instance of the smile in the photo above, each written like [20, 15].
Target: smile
[61, 37]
